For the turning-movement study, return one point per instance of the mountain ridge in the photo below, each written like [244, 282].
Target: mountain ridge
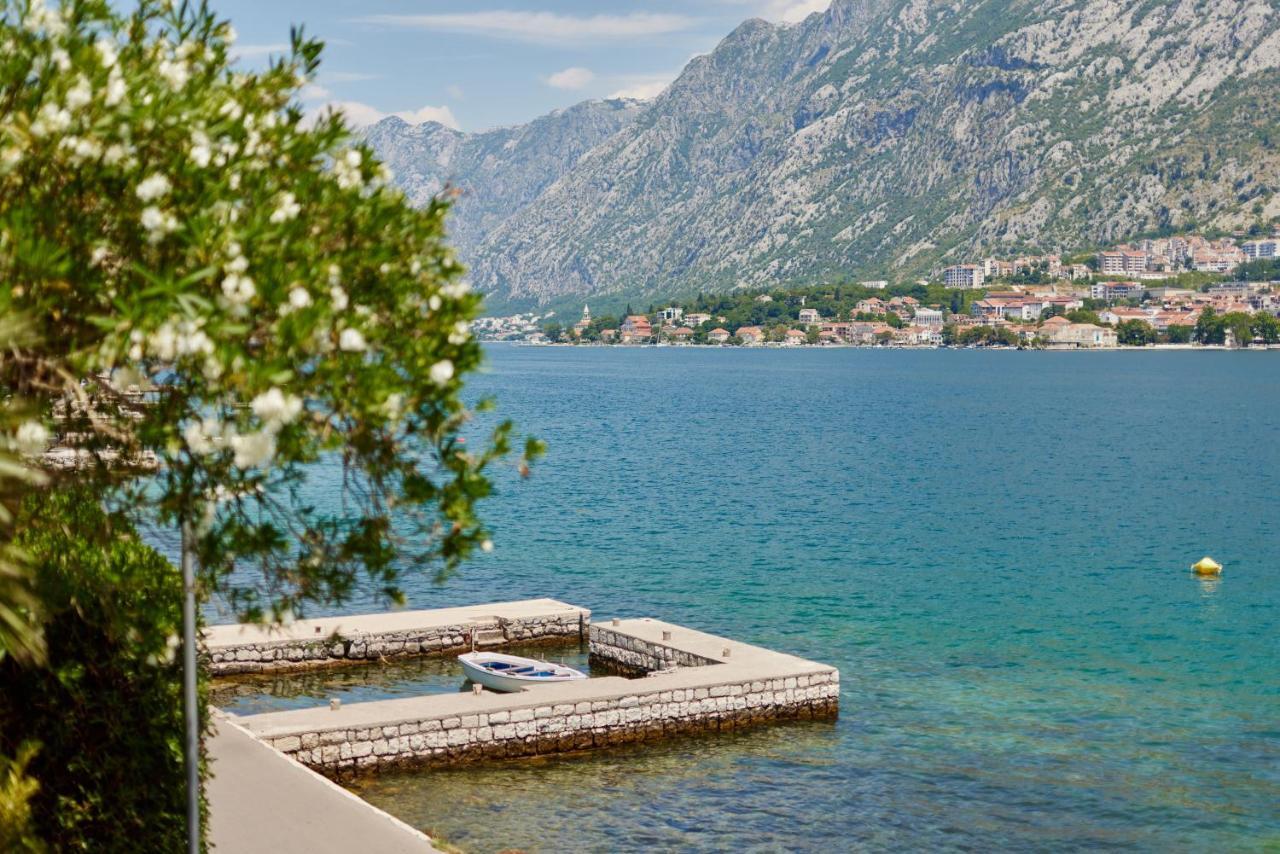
[885, 137]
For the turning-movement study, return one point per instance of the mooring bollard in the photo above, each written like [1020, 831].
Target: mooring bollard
[334, 704]
[477, 689]
[666, 635]
[616, 621]
[725, 654]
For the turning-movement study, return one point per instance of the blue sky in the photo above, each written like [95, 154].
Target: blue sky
[477, 64]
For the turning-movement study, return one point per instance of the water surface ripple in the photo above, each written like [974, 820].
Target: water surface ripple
[993, 549]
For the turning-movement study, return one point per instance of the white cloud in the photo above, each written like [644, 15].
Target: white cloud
[571, 78]
[314, 92]
[545, 27]
[362, 115]
[792, 11]
[642, 86]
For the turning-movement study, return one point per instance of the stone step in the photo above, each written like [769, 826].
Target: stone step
[489, 637]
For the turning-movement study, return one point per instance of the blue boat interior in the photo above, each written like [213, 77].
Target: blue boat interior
[517, 669]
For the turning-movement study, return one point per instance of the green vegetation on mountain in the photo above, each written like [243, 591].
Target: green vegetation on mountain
[883, 138]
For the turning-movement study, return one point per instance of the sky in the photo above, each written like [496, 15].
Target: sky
[479, 64]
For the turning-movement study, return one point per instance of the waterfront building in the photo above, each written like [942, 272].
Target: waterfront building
[810, 316]
[751, 335]
[635, 329]
[696, 319]
[794, 337]
[718, 335]
[671, 314]
[928, 317]
[1078, 336]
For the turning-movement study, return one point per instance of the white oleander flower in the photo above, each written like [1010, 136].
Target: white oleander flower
[232, 110]
[339, 298]
[175, 72]
[50, 119]
[441, 372]
[287, 208]
[253, 450]
[100, 253]
[158, 223]
[299, 297]
[335, 275]
[10, 157]
[434, 303]
[415, 266]
[116, 89]
[229, 35]
[351, 340]
[486, 546]
[202, 437]
[60, 58]
[114, 154]
[106, 52]
[31, 438]
[152, 187]
[163, 343]
[393, 406]
[201, 153]
[276, 408]
[238, 263]
[353, 158]
[456, 290]
[461, 333]
[80, 94]
[238, 289]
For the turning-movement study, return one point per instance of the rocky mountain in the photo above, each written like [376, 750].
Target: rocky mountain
[497, 172]
[882, 137]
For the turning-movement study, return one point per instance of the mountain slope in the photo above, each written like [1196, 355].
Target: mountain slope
[887, 136]
[496, 172]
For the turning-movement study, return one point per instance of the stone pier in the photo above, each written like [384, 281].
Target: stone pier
[332, 641]
[697, 682]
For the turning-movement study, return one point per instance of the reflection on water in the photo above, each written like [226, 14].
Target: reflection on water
[630, 798]
[992, 548]
[253, 694]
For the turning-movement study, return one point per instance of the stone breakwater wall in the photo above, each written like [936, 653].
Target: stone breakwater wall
[532, 728]
[336, 649]
[635, 655]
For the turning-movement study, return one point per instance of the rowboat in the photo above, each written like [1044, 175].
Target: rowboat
[510, 673]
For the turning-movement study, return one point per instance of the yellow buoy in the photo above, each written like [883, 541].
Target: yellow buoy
[1207, 566]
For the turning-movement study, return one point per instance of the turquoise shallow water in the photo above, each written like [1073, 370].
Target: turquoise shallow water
[992, 547]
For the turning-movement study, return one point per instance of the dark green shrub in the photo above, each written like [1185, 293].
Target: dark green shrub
[106, 711]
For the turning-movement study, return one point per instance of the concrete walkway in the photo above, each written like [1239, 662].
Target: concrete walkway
[260, 800]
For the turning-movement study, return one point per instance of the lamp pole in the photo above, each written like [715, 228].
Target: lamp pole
[189, 689]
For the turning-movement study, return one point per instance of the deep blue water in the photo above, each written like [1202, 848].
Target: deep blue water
[992, 547]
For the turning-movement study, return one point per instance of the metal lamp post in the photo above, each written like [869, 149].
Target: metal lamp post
[190, 710]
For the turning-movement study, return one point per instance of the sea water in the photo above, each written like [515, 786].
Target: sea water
[992, 547]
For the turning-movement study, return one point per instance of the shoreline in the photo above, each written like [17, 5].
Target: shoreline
[1179, 348]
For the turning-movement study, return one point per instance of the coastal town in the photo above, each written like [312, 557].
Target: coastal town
[1180, 291]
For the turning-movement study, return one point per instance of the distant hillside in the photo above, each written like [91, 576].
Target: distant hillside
[499, 171]
[879, 138]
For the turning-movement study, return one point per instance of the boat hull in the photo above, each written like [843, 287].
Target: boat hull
[474, 666]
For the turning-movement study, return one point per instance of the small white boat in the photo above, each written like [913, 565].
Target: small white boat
[509, 673]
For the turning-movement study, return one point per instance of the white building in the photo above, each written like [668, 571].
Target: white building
[930, 318]
[671, 314]
[810, 316]
[1255, 249]
[963, 276]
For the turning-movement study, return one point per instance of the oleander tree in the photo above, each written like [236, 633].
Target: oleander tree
[195, 273]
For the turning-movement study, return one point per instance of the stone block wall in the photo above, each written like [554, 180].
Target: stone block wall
[301, 654]
[635, 656]
[561, 727]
